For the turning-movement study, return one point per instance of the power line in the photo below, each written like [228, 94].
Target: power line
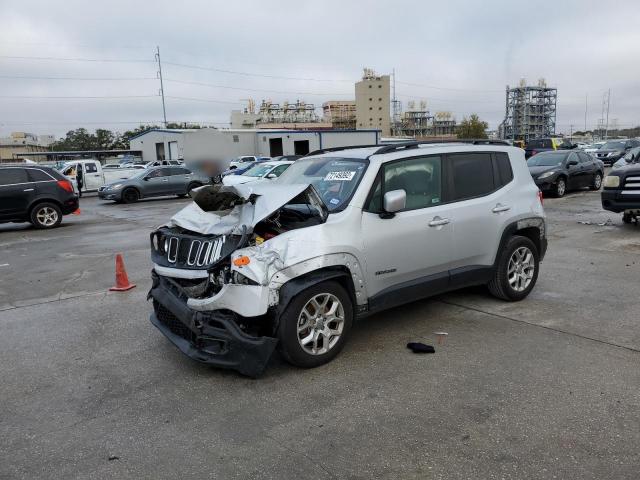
[234, 72]
[30, 77]
[75, 96]
[250, 89]
[66, 59]
[211, 100]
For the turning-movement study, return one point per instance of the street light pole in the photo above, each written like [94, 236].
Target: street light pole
[164, 110]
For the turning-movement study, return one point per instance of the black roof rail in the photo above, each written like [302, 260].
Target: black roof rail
[406, 145]
[337, 149]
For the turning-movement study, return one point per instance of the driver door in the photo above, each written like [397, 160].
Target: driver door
[407, 253]
[157, 182]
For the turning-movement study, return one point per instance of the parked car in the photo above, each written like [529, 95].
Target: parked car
[36, 194]
[245, 161]
[284, 158]
[538, 145]
[259, 171]
[93, 174]
[632, 156]
[244, 167]
[341, 234]
[153, 182]
[613, 150]
[593, 147]
[621, 191]
[559, 172]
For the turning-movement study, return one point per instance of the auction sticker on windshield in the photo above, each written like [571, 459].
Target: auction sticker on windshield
[344, 176]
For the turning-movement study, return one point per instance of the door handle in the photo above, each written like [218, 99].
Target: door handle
[165, 180]
[438, 222]
[28, 190]
[500, 208]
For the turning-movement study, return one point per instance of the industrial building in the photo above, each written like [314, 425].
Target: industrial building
[341, 114]
[530, 111]
[297, 115]
[373, 102]
[224, 144]
[418, 122]
[20, 144]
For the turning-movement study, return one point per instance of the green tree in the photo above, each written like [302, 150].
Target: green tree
[472, 127]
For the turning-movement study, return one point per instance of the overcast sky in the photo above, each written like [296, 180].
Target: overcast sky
[458, 56]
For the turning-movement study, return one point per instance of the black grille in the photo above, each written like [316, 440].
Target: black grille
[172, 323]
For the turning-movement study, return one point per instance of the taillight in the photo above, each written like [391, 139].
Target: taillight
[65, 185]
[540, 197]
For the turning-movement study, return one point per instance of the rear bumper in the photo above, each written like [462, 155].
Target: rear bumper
[70, 205]
[617, 201]
[213, 338]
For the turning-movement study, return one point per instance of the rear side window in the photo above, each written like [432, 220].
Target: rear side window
[90, 168]
[505, 174]
[36, 175]
[10, 176]
[472, 175]
[535, 144]
[179, 171]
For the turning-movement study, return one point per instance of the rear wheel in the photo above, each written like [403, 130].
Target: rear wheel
[627, 218]
[597, 182]
[560, 188]
[315, 325]
[46, 215]
[130, 195]
[517, 270]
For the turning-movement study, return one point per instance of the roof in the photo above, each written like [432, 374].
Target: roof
[165, 130]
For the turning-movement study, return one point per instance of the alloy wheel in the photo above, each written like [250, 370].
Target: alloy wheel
[521, 269]
[597, 182]
[562, 187]
[47, 216]
[320, 324]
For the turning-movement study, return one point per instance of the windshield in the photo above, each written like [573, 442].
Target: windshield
[631, 154]
[550, 159]
[335, 179]
[258, 170]
[613, 146]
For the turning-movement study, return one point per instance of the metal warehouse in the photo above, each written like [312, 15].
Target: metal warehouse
[214, 144]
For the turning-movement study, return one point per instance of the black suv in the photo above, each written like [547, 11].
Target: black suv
[31, 193]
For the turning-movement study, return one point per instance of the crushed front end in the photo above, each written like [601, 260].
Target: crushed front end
[216, 312]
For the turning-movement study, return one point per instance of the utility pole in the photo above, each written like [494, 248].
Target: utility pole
[164, 110]
[606, 131]
[571, 133]
[586, 103]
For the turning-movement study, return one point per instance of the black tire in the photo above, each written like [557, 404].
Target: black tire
[193, 185]
[182, 195]
[130, 195]
[596, 183]
[290, 346]
[627, 218]
[560, 187]
[45, 215]
[500, 286]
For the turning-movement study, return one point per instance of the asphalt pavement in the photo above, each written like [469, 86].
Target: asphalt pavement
[545, 388]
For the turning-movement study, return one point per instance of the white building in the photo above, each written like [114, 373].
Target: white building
[214, 144]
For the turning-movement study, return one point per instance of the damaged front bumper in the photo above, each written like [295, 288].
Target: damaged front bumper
[213, 337]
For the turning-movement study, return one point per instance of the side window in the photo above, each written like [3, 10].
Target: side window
[10, 176]
[160, 172]
[36, 175]
[420, 178]
[584, 158]
[573, 157]
[279, 169]
[505, 173]
[90, 168]
[547, 143]
[179, 171]
[472, 175]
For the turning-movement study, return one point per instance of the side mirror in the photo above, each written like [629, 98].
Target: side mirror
[394, 201]
[572, 163]
[272, 176]
[146, 179]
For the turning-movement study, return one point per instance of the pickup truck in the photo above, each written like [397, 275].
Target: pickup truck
[94, 176]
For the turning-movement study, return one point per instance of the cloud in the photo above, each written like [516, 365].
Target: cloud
[457, 55]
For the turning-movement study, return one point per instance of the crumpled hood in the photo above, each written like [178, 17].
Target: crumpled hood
[224, 210]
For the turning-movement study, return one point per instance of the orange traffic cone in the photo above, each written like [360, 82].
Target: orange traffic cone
[122, 280]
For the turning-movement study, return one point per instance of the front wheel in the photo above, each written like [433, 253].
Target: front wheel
[517, 270]
[130, 195]
[46, 215]
[597, 182]
[315, 325]
[560, 188]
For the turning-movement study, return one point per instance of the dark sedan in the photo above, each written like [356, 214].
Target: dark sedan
[614, 150]
[153, 182]
[559, 171]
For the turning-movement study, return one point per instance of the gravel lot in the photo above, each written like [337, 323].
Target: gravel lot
[545, 388]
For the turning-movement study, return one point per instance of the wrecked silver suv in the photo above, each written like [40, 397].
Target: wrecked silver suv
[341, 234]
